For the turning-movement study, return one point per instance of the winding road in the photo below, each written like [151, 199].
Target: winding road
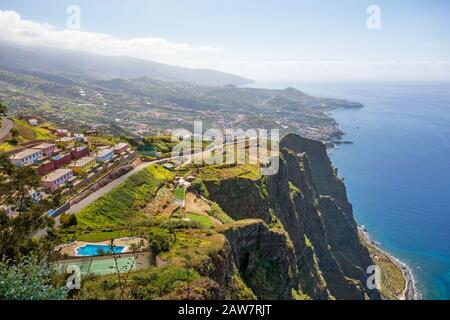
[6, 126]
[110, 186]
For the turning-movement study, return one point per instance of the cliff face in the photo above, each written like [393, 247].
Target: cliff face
[302, 237]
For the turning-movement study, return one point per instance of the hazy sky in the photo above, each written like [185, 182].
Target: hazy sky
[264, 40]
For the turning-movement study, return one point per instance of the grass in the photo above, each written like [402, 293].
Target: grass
[6, 146]
[123, 204]
[179, 193]
[223, 171]
[102, 235]
[30, 133]
[103, 140]
[163, 144]
[392, 281]
[26, 133]
[151, 283]
[203, 220]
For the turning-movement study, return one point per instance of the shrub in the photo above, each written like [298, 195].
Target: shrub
[198, 186]
[29, 279]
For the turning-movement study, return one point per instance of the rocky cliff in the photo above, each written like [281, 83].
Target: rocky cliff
[301, 240]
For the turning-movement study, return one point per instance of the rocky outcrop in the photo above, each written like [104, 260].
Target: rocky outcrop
[306, 240]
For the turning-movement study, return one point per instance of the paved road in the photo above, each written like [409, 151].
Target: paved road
[94, 196]
[7, 125]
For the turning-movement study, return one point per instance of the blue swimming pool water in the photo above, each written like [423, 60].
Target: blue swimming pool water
[97, 249]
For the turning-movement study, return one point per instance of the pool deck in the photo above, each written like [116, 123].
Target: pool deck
[69, 249]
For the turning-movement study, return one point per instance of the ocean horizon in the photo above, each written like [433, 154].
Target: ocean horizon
[397, 172]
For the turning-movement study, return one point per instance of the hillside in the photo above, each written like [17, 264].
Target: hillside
[25, 133]
[59, 61]
[287, 236]
[147, 106]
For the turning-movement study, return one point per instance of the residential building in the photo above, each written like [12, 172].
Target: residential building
[79, 152]
[105, 155]
[92, 133]
[47, 148]
[82, 165]
[26, 157]
[33, 122]
[57, 178]
[120, 148]
[79, 137]
[61, 160]
[66, 142]
[61, 132]
[45, 168]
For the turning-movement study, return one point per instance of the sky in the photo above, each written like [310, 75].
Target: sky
[265, 40]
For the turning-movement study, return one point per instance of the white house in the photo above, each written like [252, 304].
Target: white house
[26, 157]
[79, 137]
[33, 122]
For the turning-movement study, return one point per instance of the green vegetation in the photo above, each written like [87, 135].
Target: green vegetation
[16, 186]
[392, 281]
[30, 279]
[143, 284]
[30, 133]
[217, 212]
[265, 275]
[123, 204]
[3, 109]
[203, 220]
[162, 144]
[299, 295]
[199, 187]
[179, 193]
[223, 171]
[293, 189]
[23, 132]
[6, 146]
[100, 236]
[68, 220]
[160, 241]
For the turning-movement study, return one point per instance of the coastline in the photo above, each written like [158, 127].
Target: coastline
[409, 292]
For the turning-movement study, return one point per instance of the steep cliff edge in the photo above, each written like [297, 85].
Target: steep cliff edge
[306, 240]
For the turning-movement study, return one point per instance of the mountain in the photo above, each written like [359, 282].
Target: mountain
[75, 63]
[243, 235]
[146, 105]
[294, 231]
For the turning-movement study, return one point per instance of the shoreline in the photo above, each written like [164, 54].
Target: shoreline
[409, 292]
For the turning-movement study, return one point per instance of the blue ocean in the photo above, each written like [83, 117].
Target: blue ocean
[397, 172]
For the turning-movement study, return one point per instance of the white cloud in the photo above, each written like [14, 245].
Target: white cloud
[14, 28]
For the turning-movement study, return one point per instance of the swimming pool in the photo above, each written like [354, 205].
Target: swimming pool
[97, 249]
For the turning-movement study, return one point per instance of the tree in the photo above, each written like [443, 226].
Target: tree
[30, 279]
[3, 109]
[17, 185]
[14, 133]
[198, 186]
